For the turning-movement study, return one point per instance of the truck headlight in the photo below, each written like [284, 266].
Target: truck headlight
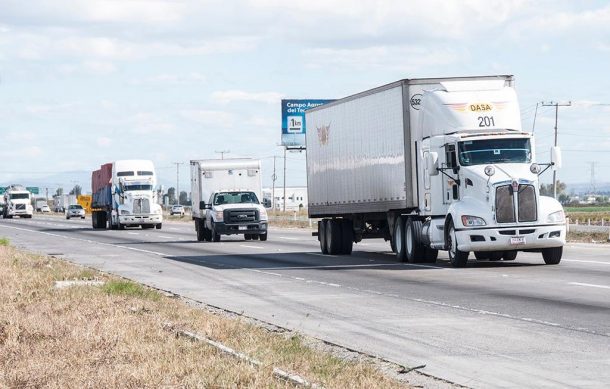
[219, 216]
[124, 212]
[556, 217]
[263, 214]
[472, 221]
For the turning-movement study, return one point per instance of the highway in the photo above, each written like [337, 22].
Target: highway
[492, 324]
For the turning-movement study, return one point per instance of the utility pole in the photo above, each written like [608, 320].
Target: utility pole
[273, 178]
[592, 186]
[222, 153]
[178, 181]
[284, 179]
[535, 114]
[556, 105]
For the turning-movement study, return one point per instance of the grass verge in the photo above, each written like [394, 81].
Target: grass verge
[587, 237]
[117, 336]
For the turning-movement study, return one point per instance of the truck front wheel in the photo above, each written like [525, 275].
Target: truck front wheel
[262, 237]
[552, 256]
[159, 226]
[215, 236]
[457, 257]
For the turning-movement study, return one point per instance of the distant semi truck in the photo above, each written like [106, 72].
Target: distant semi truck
[227, 196]
[431, 164]
[17, 202]
[124, 195]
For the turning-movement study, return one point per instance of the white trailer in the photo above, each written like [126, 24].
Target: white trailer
[226, 196]
[431, 164]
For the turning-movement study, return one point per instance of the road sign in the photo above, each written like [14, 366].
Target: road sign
[33, 189]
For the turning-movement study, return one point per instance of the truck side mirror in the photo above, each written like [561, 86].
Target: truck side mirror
[556, 157]
[202, 205]
[432, 163]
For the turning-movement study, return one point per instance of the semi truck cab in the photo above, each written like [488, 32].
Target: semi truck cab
[17, 202]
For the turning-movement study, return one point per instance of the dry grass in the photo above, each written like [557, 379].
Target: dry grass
[117, 336]
[583, 217]
[587, 237]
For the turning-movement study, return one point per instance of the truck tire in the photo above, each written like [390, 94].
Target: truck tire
[247, 237]
[457, 257]
[159, 226]
[414, 249]
[552, 256]
[263, 237]
[215, 236]
[67, 217]
[322, 236]
[495, 255]
[510, 255]
[255, 236]
[481, 255]
[347, 236]
[399, 239]
[430, 255]
[334, 236]
[200, 229]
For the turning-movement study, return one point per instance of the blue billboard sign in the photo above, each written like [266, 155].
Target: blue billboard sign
[293, 121]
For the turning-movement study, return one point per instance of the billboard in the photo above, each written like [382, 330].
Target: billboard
[293, 121]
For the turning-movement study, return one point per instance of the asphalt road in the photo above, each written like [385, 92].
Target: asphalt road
[492, 324]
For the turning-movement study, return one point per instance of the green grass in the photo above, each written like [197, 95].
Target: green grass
[588, 209]
[4, 242]
[130, 289]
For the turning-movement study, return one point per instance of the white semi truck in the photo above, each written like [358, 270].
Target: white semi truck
[124, 195]
[226, 196]
[431, 164]
[17, 202]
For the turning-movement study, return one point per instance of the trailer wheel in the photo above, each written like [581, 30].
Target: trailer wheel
[334, 237]
[457, 257]
[399, 238]
[347, 236]
[414, 250]
[200, 229]
[322, 236]
[552, 256]
[510, 255]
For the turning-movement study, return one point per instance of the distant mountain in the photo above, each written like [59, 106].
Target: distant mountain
[584, 188]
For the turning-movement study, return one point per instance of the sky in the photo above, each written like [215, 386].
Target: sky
[86, 82]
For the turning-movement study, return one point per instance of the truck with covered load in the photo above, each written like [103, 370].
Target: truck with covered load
[226, 196]
[123, 195]
[431, 164]
[17, 202]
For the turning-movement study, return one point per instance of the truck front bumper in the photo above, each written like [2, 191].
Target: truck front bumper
[136, 220]
[243, 228]
[511, 238]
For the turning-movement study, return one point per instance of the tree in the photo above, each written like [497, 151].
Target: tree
[183, 200]
[59, 191]
[171, 193]
[547, 190]
[77, 190]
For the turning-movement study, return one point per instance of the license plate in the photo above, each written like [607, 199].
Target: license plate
[241, 228]
[517, 240]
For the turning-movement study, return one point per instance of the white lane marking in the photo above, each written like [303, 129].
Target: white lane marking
[251, 247]
[288, 238]
[133, 233]
[589, 285]
[586, 261]
[347, 266]
[87, 240]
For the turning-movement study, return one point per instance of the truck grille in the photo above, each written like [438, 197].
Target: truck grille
[505, 205]
[20, 206]
[141, 206]
[240, 215]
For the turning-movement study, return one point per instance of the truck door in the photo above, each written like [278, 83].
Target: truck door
[450, 187]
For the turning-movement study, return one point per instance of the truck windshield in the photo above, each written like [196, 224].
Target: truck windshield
[17, 196]
[137, 187]
[482, 152]
[235, 198]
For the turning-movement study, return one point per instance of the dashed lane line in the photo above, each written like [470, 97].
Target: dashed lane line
[589, 285]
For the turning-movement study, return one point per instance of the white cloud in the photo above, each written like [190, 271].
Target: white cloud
[404, 58]
[151, 123]
[99, 67]
[230, 96]
[209, 117]
[171, 79]
[103, 141]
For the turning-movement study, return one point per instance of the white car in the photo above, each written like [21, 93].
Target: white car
[45, 208]
[177, 210]
[75, 210]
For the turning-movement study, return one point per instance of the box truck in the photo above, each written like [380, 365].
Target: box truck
[124, 196]
[226, 196]
[63, 201]
[431, 164]
[17, 202]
